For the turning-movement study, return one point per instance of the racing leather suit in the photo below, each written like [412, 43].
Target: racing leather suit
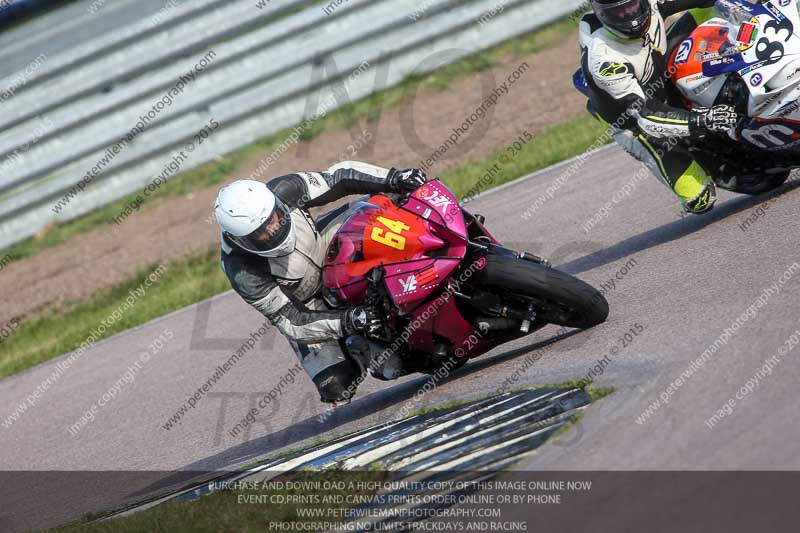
[288, 290]
[630, 91]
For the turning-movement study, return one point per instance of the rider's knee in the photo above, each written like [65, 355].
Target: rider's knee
[338, 382]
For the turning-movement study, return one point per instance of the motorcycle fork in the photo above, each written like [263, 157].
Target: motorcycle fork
[498, 315]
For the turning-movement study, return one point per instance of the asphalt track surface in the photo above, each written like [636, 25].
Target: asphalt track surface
[691, 279]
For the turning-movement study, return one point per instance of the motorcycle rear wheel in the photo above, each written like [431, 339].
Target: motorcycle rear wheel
[753, 185]
[558, 297]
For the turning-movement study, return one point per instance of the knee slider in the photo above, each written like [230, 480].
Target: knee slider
[337, 382]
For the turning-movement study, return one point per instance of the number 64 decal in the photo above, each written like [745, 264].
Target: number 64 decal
[393, 238]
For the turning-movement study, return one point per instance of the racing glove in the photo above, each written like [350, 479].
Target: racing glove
[363, 319]
[718, 119]
[408, 180]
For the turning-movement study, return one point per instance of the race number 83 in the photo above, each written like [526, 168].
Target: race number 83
[392, 238]
[769, 50]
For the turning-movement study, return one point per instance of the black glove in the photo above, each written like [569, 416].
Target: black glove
[363, 319]
[408, 180]
[718, 119]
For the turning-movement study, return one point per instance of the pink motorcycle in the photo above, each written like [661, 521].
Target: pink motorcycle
[447, 288]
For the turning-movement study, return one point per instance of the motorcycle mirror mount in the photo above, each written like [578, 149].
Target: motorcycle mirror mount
[403, 200]
[376, 274]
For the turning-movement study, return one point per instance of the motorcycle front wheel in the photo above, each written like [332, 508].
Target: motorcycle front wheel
[558, 297]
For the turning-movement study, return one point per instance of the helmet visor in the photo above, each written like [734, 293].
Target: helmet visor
[628, 17]
[269, 235]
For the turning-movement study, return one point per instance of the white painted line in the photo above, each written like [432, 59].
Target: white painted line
[298, 461]
[401, 465]
[471, 457]
[381, 451]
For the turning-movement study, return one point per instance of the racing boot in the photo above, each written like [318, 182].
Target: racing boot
[382, 362]
[703, 201]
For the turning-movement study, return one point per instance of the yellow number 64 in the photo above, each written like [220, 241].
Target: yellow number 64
[393, 239]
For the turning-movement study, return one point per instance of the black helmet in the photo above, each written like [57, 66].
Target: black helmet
[628, 18]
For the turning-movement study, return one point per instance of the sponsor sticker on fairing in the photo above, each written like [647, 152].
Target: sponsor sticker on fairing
[684, 51]
[747, 33]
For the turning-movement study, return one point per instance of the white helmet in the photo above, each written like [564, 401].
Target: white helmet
[254, 219]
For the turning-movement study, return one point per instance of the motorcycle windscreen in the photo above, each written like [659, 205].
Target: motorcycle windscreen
[695, 63]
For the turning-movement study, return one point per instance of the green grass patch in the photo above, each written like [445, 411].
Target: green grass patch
[447, 405]
[60, 331]
[596, 393]
[370, 107]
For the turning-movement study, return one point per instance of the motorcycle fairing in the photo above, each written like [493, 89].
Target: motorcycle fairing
[695, 57]
[771, 134]
[418, 245]
[445, 210]
[712, 51]
[447, 323]
[736, 44]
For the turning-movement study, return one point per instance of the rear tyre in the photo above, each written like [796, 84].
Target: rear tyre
[753, 184]
[558, 297]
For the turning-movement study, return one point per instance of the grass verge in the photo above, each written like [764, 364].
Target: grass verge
[191, 280]
[369, 108]
[56, 332]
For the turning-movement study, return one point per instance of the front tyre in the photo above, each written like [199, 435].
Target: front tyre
[558, 297]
